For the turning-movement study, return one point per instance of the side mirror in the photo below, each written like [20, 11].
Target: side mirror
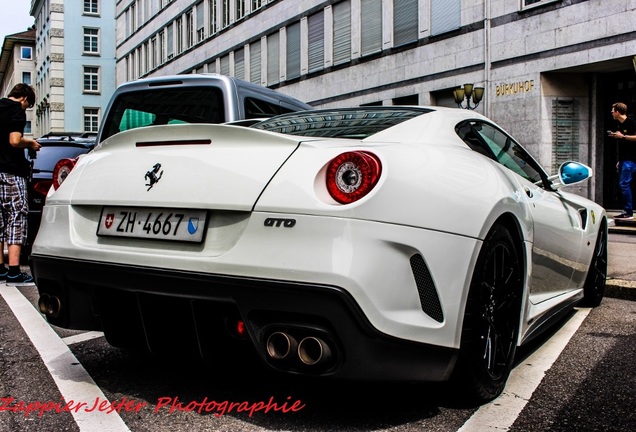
[571, 173]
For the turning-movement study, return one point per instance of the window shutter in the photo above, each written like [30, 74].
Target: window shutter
[405, 15]
[255, 62]
[316, 24]
[341, 32]
[273, 58]
[293, 51]
[371, 14]
[239, 64]
[445, 16]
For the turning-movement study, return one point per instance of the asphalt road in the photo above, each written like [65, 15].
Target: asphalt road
[581, 377]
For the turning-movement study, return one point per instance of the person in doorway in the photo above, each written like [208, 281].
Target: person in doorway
[625, 134]
[15, 170]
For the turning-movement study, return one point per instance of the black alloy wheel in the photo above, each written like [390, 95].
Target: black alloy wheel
[491, 321]
[594, 288]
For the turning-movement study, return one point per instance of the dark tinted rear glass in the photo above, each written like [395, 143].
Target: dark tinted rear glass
[165, 106]
[48, 156]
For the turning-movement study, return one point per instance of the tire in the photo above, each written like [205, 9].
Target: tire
[491, 321]
[594, 287]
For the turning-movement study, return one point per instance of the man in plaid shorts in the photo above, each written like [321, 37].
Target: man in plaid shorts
[14, 172]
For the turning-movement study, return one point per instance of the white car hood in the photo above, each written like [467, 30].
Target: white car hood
[185, 157]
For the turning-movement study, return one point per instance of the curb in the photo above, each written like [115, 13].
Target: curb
[620, 289]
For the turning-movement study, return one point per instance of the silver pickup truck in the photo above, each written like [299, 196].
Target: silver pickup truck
[194, 98]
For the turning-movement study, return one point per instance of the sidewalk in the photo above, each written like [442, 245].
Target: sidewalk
[621, 266]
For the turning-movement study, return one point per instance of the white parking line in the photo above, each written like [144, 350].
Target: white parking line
[82, 337]
[500, 414]
[74, 383]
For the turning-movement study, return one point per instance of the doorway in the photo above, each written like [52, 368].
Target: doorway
[615, 87]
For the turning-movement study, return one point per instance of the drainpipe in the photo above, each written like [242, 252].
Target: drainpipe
[487, 58]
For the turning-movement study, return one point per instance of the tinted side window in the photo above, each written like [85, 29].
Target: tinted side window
[258, 108]
[486, 139]
[161, 106]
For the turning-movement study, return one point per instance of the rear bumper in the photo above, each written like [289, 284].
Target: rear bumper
[168, 311]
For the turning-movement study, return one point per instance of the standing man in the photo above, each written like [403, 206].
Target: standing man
[14, 172]
[625, 135]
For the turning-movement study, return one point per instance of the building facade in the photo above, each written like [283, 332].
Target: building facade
[75, 63]
[550, 69]
[17, 65]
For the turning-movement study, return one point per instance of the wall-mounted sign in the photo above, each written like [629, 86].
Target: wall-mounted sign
[514, 88]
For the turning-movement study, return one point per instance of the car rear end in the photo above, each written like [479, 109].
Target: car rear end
[213, 239]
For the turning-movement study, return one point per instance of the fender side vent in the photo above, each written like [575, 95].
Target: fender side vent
[426, 289]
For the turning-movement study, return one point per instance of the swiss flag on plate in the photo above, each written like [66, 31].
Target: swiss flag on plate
[110, 218]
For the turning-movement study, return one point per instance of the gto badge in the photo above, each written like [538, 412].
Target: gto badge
[152, 176]
[593, 217]
[277, 222]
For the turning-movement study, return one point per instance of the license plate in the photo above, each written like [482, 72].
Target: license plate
[153, 223]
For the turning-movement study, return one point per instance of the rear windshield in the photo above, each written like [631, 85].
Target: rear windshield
[356, 123]
[166, 106]
[49, 155]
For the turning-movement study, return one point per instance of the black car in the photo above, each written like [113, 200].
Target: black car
[55, 147]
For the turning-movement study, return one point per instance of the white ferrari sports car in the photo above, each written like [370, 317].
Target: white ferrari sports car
[376, 243]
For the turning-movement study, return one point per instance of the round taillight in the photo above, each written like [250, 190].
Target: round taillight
[62, 169]
[352, 175]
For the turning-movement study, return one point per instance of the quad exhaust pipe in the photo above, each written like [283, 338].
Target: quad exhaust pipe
[281, 345]
[51, 306]
[311, 350]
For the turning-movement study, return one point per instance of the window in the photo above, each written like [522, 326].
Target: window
[26, 53]
[316, 24]
[256, 4]
[273, 58]
[162, 47]
[293, 51]
[213, 17]
[533, 3]
[153, 53]
[170, 41]
[91, 7]
[255, 62]
[91, 79]
[91, 119]
[342, 32]
[91, 41]
[200, 26]
[26, 77]
[240, 9]
[226, 13]
[404, 21]
[445, 16]
[239, 63]
[225, 65]
[407, 100]
[189, 29]
[371, 10]
[179, 35]
[165, 107]
[27, 128]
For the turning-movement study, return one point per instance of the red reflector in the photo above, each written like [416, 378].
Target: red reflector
[240, 329]
[62, 169]
[352, 175]
[42, 187]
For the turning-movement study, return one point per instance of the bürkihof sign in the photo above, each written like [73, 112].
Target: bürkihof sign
[505, 89]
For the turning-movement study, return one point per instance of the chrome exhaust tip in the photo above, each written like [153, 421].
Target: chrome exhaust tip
[51, 306]
[313, 350]
[280, 345]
